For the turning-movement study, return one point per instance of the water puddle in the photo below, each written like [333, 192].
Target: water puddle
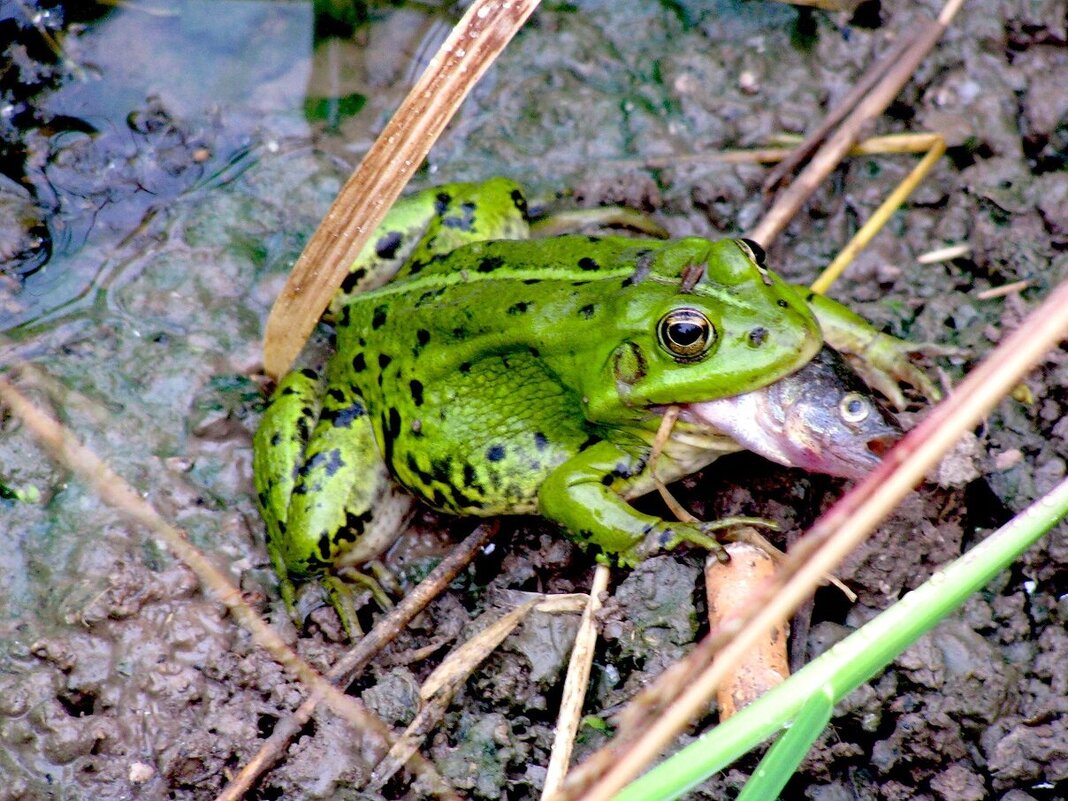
[152, 104]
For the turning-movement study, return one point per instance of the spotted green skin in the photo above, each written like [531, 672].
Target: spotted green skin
[496, 375]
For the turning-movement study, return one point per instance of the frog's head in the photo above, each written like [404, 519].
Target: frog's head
[702, 320]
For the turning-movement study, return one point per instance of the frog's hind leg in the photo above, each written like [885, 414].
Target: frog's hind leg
[343, 589]
[434, 222]
[327, 496]
[351, 503]
[344, 582]
[277, 449]
[468, 213]
[574, 220]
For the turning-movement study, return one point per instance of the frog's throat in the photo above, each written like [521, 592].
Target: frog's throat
[689, 448]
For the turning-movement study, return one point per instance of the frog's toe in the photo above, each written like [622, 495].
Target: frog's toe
[348, 591]
[702, 539]
[375, 584]
[739, 520]
[343, 598]
[881, 381]
[892, 369]
[706, 535]
[917, 378]
[386, 581]
[907, 372]
[345, 594]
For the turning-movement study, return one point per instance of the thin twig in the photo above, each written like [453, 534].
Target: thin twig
[349, 666]
[575, 684]
[875, 145]
[948, 253]
[838, 144]
[1004, 289]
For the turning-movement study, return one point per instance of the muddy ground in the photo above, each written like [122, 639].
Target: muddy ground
[153, 207]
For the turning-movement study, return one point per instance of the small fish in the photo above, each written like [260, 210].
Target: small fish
[821, 418]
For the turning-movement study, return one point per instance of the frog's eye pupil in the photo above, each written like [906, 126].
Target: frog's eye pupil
[686, 334]
[854, 408]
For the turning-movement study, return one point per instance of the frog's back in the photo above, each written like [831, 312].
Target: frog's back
[574, 301]
[468, 364]
[567, 258]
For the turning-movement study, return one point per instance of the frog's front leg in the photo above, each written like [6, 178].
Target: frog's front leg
[882, 360]
[324, 491]
[584, 495]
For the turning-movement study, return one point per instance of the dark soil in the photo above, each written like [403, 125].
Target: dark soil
[150, 211]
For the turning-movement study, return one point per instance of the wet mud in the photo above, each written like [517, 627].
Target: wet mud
[140, 259]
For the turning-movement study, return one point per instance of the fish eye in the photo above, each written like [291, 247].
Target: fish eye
[854, 408]
[686, 333]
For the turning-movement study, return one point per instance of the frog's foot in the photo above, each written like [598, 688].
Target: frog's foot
[374, 582]
[346, 592]
[883, 362]
[346, 588]
[386, 581]
[704, 535]
[880, 359]
[570, 221]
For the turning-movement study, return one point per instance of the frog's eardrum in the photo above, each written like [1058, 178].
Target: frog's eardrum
[821, 418]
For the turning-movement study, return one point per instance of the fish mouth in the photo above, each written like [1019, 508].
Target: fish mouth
[880, 444]
[820, 452]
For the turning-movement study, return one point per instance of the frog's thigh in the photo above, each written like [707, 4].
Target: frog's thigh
[466, 213]
[579, 496]
[344, 508]
[279, 443]
[277, 454]
[434, 222]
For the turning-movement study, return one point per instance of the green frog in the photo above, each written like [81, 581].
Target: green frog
[488, 373]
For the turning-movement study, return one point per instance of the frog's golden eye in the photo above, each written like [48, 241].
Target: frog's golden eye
[854, 408]
[686, 334]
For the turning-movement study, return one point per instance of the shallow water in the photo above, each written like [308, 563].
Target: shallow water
[162, 103]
